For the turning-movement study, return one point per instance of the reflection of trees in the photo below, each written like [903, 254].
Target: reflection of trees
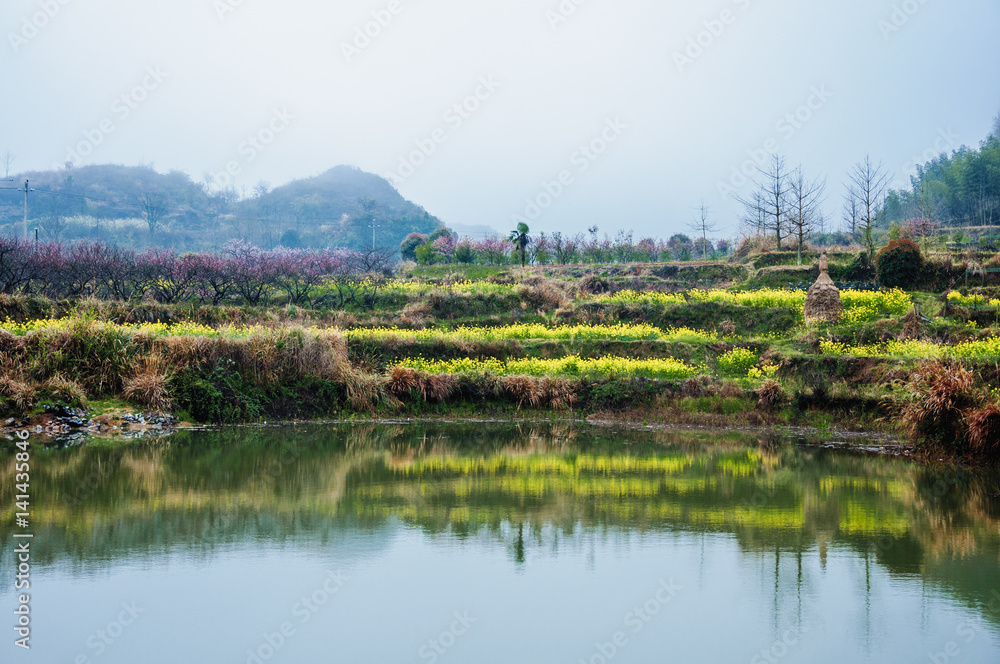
[529, 486]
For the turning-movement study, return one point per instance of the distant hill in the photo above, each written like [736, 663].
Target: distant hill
[119, 204]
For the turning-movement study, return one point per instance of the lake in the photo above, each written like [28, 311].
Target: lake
[494, 542]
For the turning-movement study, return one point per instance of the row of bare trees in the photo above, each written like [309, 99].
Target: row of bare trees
[241, 273]
[787, 205]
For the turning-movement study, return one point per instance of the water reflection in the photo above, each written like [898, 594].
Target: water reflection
[536, 492]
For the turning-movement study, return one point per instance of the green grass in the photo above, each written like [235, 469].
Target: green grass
[566, 367]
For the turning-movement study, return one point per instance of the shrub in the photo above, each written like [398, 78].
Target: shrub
[983, 426]
[465, 253]
[935, 401]
[408, 247]
[900, 264]
[737, 362]
[860, 269]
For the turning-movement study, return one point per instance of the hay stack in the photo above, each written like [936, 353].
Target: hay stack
[823, 301]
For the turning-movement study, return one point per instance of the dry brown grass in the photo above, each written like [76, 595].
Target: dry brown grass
[936, 396]
[267, 356]
[148, 389]
[770, 394]
[560, 392]
[523, 389]
[365, 391]
[68, 391]
[436, 388]
[912, 327]
[20, 393]
[983, 429]
[149, 385]
[91, 357]
[401, 380]
[557, 393]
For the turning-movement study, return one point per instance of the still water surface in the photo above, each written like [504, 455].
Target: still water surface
[501, 543]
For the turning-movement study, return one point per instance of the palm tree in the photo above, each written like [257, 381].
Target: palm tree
[521, 240]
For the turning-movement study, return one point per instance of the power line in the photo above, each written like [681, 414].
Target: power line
[91, 199]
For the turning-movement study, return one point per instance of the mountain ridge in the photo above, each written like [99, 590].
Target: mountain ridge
[138, 206]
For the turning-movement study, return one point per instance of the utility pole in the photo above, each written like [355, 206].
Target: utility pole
[374, 226]
[25, 210]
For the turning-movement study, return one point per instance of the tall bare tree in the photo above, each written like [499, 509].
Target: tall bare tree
[8, 161]
[154, 209]
[869, 185]
[805, 198]
[769, 200]
[703, 226]
[752, 219]
[851, 214]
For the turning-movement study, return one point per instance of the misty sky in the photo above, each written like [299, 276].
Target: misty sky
[182, 84]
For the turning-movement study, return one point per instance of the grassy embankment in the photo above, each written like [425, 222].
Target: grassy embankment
[707, 344]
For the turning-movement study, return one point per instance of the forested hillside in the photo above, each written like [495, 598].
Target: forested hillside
[137, 206]
[960, 189]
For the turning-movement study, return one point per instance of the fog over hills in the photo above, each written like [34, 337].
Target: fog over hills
[138, 206]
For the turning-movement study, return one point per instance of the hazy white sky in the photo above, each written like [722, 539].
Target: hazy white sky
[617, 99]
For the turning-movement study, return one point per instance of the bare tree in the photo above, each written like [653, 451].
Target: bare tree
[54, 227]
[769, 202]
[752, 220]
[996, 126]
[703, 225]
[869, 185]
[851, 214]
[154, 208]
[8, 161]
[985, 208]
[805, 200]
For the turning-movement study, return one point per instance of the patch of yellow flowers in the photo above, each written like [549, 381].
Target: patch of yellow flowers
[467, 287]
[569, 367]
[158, 329]
[529, 331]
[959, 300]
[860, 306]
[973, 350]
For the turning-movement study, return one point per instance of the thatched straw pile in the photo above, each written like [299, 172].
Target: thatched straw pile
[823, 301]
